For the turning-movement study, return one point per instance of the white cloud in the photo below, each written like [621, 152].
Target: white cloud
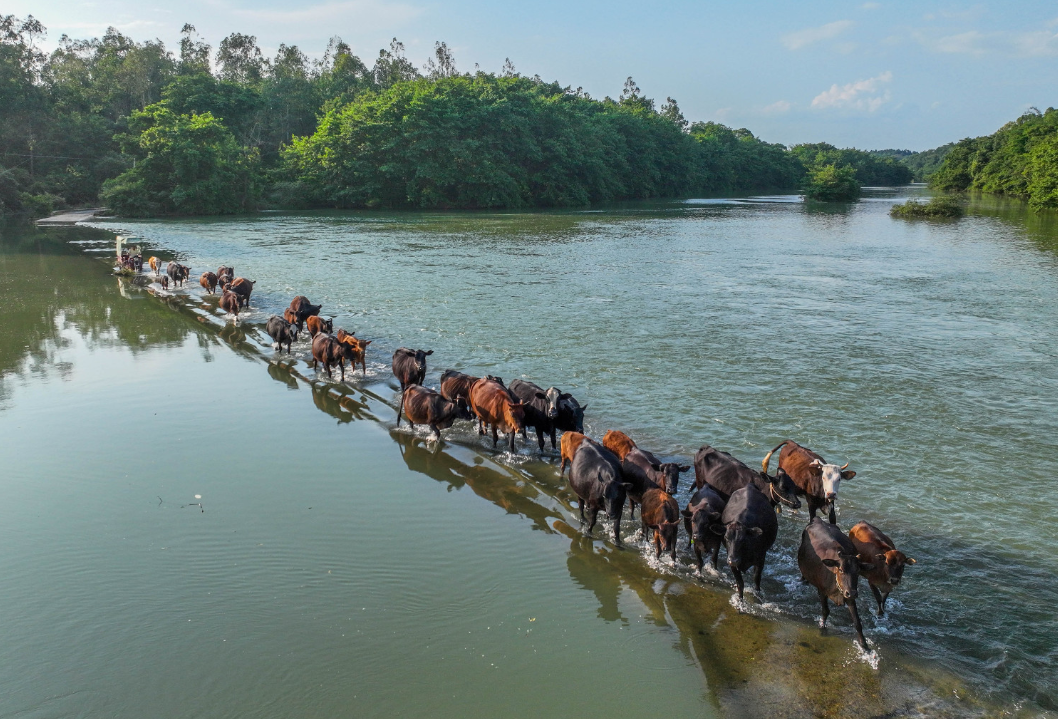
[804, 38]
[971, 42]
[1037, 44]
[863, 95]
[870, 6]
[777, 108]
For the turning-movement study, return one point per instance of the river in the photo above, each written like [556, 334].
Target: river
[921, 353]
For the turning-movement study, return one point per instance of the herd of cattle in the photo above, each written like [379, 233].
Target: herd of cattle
[733, 506]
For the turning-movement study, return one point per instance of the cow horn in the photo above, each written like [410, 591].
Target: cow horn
[845, 467]
[767, 457]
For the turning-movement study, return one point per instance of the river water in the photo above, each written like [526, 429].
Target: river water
[922, 353]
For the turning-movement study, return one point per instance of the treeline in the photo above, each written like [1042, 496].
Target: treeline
[1020, 160]
[150, 132]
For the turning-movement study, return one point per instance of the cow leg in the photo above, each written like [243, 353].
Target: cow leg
[580, 505]
[562, 468]
[593, 513]
[525, 432]
[812, 509]
[825, 608]
[880, 599]
[757, 572]
[690, 534]
[400, 407]
[436, 432]
[552, 439]
[540, 438]
[617, 528]
[716, 555]
[855, 613]
[314, 362]
[739, 582]
[698, 555]
[495, 438]
[327, 366]
[833, 516]
[512, 434]
[632, 510]
[657, 544]
[341, 365]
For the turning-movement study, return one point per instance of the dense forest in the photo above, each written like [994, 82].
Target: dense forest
[1020, 160]
[152, 132]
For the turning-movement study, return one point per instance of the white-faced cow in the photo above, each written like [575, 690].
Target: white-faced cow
[816, 480]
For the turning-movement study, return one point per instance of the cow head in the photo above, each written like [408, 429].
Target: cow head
[514, 413]
[831, 476]
[666, 532]
[569, 406]
[614, 494]
[494, 378]
[703, 523]
[553, 396]
[669, 473]
[420, 360]
[288, 314]
[782, 489]
[846, 570]
[736, 536]
[327, 325]
[293, 330]
[892, 565]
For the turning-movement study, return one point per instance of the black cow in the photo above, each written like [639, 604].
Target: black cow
[540, 410]
[702, 519]
[750, 527]
[639, 481]
[409, 366]
[178, 273]
[424, 406]
[829, 562]
[595, 477]
[570, 417]
[281, 331]
[726, 474]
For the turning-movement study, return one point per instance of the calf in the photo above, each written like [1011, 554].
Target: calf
[229, 302]
[749, 531]
[359, 349]
[540, 410]
[424, 406]
[222, 270]
[873, 547]
[317, 324]
[456, 384]
[493, 404]
[725, 474]
[243, 288]
[816, 480]
[595, 476]
[703, 520]
[302, 308]
[409, 366]
[328, 350]
[156, 264]
[568, 447]
[663, 474]
[281, 331]
[829, 562]
[208, 282]
[165, 282]
[178, 273]
[661, 513]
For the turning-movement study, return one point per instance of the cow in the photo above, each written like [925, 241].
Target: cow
[828, 560]
[156, 264]
[816, 480]
[595, 476]
[425, 406]
[568, 447]
[874, 547]
[456, 384]
[750, 528]
[326, 349]
[281, 331]
[222, 270]
[540, 409]
[208, 282]
[302, 308]
[493, 404]
[165, 282]
[661, 513]
[243, 288]
[292, 317]
[409, 366]
[725, 474]
[178, 273]
[229, 302]
[702, 519]
[317, 324]
[570, 417]
[663, 474]
[359, 349]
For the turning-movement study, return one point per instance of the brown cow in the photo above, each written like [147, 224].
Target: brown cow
[317, 324]
[229, 271]
[877, 549]
[618, 442]
[208, 282]
[637, 460]
[828, 560]
[229, 302]
[359, 349]
[456, 384]
[328, 350]
[243, 288]
[302, 308]
[568, 446]
[292, 317]
[424, 406]
[165, 282]
[661, 513]
[494, 404]
[816, 480]
[156, 264]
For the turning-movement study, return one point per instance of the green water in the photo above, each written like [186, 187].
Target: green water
[922, 353]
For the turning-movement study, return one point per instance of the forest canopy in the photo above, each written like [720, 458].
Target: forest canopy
[150, 131]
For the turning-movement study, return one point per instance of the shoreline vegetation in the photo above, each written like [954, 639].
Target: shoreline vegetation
[150, 132]
[940, 207]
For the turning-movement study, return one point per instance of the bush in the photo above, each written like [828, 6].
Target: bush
[832, 184]
[40, 205]
[942, 206]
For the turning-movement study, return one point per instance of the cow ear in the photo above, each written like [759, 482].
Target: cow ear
[655, 466]
[831, 562]
[584, 408]
[909, 560]
[756, 531]
[565, 395]
[687, 513]
[429, 352]
[848, 474]
[866, 566]
[541, 395]
[684, 468]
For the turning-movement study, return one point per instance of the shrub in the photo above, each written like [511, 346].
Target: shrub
[942, 206]
[832, 184]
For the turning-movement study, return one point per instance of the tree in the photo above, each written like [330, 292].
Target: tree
[392, 67]
[239, 59]
[442, 64]
[194, 54]
[671, 112]
[830, 183]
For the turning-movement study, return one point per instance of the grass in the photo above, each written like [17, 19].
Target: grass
[940, 207]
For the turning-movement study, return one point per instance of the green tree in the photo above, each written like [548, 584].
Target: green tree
[830, 183]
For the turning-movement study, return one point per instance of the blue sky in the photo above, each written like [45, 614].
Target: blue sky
[865, 74]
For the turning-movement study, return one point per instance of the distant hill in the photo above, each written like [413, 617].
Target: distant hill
[922, 164]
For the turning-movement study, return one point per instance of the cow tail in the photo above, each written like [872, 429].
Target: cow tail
[767, 457]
